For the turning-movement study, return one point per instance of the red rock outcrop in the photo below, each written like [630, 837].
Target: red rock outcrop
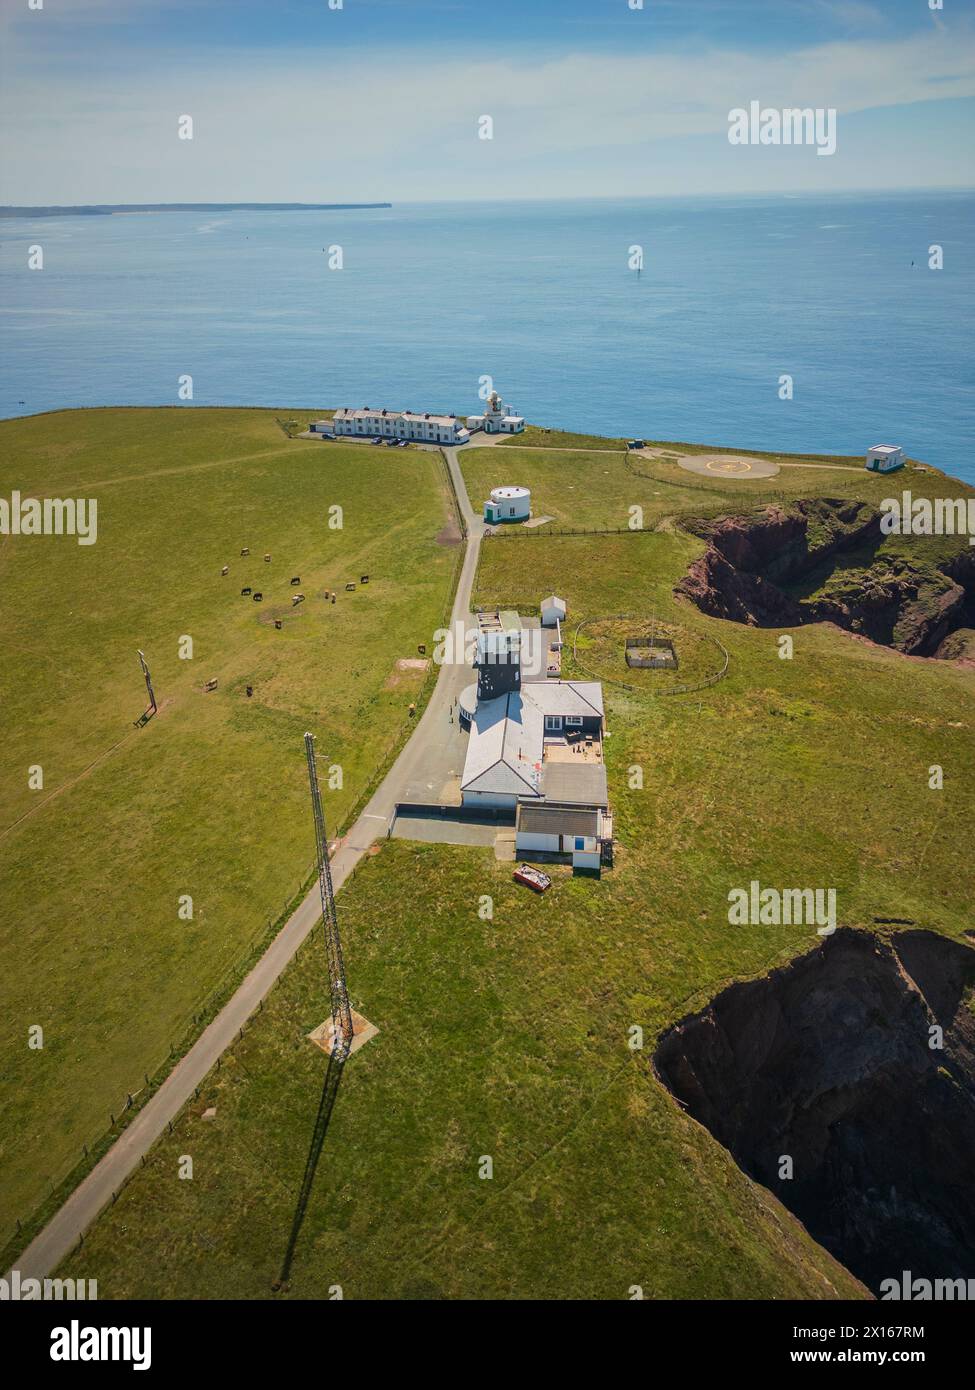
[751, 559]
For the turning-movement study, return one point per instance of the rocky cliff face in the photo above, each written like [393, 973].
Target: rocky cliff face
[750, 560]
[960, 646]
[827, 1061]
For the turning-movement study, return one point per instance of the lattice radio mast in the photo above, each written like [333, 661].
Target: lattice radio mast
[341, 1012]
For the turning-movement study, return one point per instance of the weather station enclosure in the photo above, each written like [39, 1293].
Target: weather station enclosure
[651, 653]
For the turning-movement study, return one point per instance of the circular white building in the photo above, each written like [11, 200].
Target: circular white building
[508, 504]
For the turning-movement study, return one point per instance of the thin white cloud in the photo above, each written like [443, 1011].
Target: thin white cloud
[853, 14]
[286, 127]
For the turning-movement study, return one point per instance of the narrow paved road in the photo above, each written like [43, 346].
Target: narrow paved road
[62, 1232]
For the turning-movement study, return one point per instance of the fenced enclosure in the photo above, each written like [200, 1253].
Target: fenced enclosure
[596, 665]
[651, 653]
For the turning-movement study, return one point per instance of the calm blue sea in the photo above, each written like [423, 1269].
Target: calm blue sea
[835, 292]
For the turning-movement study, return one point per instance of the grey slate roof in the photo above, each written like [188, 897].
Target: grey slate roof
[579, 783]
[504, 753]
[505, 744]
[542, 819]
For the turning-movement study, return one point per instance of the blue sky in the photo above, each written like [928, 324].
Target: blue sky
[292, 100]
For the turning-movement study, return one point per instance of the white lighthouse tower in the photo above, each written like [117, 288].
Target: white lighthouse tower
[498, 418]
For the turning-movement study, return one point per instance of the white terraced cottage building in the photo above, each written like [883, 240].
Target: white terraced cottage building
[398, 424]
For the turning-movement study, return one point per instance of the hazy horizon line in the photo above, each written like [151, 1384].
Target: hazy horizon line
[384, 204]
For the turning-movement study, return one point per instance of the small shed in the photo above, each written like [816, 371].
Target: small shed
[553, 610]
[574, 831]
[885, 458]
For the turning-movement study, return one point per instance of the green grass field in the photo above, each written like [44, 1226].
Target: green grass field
[597, 647]
[538, 435]
[509, 1037]
[580, 487]
[210, 798]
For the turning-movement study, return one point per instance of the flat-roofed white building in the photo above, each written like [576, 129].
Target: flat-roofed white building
[885, 458]
[400, 424]
[508, 504]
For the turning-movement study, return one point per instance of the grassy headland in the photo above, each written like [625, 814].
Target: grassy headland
[209, 800]
[510, 1037]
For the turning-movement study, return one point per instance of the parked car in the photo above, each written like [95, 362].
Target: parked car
[532, 878]
[377, 440]
[401, 443]
[635, 444]
[391, 443]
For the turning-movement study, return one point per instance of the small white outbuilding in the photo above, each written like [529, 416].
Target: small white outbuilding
[553, 610]
[885, 458]
[508, 504]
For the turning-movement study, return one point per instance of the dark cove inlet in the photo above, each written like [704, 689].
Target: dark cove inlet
[734, 294]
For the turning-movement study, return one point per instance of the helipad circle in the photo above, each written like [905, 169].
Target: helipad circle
[728, 466]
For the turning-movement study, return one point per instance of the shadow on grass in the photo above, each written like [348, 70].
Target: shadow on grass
[330, 1089]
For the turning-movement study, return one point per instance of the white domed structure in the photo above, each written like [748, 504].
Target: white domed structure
[508, 504]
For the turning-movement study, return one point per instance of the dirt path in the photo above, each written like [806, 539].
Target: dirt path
[71, 782]
[78, 777]
[186, 468]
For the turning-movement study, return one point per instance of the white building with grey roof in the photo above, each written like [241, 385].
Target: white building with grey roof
[536, 742]
[400, 424]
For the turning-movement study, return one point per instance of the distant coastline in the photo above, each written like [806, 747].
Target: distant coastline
[111, 209]
[540, 294]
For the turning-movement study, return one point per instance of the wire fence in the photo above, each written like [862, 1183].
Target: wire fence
[546, 532]
[685, 688]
